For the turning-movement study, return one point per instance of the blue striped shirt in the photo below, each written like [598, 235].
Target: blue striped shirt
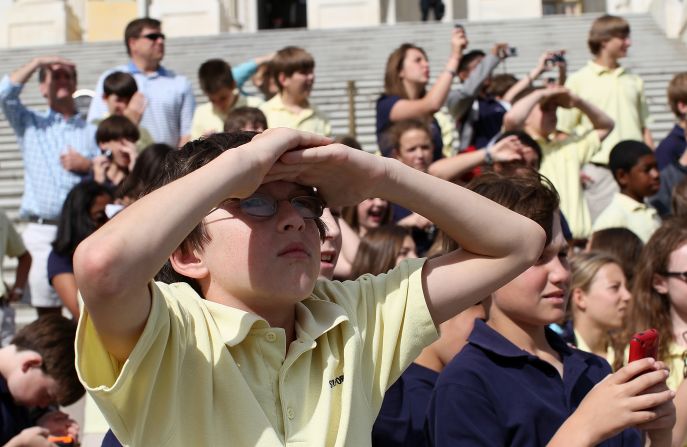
[169, 103]
[42, 138]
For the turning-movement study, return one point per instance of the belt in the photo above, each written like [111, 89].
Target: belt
[41, 221]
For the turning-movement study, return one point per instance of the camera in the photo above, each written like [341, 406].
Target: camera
[556, 58]
[511, 52]
[108, 154]
[458, 26]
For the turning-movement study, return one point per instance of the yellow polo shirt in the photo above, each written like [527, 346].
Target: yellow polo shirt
[617, 92]
[561, 163]
[309, 120]
[208, 119]
[205, 374]
[583, 346]
[626, 212]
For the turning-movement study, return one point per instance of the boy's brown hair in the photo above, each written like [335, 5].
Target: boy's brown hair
[241, 117]
[529, 194]
[214, 75]
[116, 127]
[52, 337]
[290, 60]
[121, 84]
[604, 29]
[677, 92]
[500, 84]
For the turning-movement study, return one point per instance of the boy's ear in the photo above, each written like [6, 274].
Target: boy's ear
[682, 108]
[660, 284]
[621, 176]
[394, 153]
[188, 263]
[282, 79]
[30, 359]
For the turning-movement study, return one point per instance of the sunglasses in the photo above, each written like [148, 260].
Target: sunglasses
[680, 275]
[262, 205]
[153, 36]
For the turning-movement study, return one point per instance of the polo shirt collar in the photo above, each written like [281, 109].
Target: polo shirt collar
[314, 317]
[677, 132]
[488, 339]
[629, 203]
[161, 71]
[599, 70]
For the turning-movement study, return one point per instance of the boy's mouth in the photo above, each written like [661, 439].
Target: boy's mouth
[295, 249]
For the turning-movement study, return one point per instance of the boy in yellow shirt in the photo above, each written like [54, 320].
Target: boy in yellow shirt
[562, 155]
[249, 349]
[293, 69]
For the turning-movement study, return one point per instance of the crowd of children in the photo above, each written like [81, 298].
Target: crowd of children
[240, 277]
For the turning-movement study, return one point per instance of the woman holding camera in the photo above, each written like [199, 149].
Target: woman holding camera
[405, 95]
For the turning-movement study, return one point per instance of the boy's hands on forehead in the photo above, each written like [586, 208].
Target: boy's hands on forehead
[342, 175]
[265, 150]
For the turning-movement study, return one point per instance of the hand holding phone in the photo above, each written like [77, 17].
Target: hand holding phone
[644, 344]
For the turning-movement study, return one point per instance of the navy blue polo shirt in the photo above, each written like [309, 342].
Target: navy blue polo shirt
[404, 409]
[671, 147]
[13, 418]
[495, 394]
[489, 121]
[384, 105]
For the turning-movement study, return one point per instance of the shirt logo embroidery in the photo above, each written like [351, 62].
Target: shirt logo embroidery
[337, 381]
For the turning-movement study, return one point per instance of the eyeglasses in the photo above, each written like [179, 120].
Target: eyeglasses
[262, 205]
[153, 36]
[680, 275]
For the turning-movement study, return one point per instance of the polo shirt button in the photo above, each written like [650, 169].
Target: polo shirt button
[290, 413]
[270, 337]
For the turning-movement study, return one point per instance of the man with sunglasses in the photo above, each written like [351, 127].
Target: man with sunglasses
[169, 97]
[56, 147]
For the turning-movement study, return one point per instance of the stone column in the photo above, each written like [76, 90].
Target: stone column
[188, 18]
[40, 22]
[343, 13]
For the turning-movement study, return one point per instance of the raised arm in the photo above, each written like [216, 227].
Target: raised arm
[434, 99]
[460, 100]
[22, 74]
[601, 122]
[490, 256]
[451, 168]
[543, 64]
[114, 265]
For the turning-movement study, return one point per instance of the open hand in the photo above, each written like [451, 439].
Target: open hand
[343, 175]
[635, 395]
[134, 110]
[264, 151]
[31, 437]
[507, 149]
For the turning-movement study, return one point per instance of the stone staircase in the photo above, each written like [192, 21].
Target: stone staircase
[360, 55]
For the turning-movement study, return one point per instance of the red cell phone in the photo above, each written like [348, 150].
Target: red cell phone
[644, 344]
[62, 440]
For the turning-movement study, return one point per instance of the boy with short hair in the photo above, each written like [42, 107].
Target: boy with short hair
[116, 136]
[293, 71]
[563, 156]
[518, 384]
[121, 96]
[633, 165]
[308, 361]
[216, 79]
[615, 90]
[249, 119]
[37, 370]
[671, 148]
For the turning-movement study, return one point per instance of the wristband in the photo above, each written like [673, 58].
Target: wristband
[488, 159]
